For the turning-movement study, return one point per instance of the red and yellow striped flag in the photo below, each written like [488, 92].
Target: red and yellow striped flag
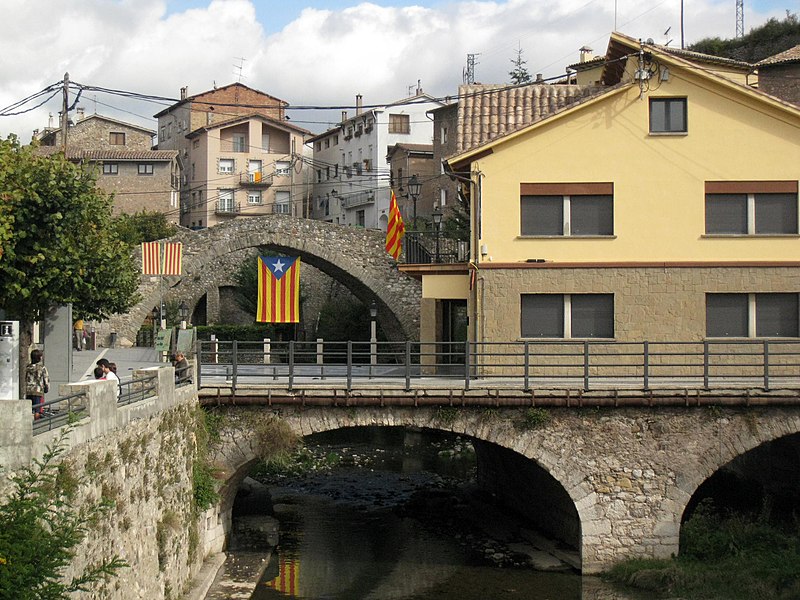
[278, 289]
[288, 579]
[173, 258]
[151, 258]
[395, 230]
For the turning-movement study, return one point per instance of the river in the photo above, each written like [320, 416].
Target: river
[387, 514]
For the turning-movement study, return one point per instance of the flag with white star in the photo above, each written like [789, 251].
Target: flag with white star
[278, 289]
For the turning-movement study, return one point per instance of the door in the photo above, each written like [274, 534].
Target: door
[454, 331]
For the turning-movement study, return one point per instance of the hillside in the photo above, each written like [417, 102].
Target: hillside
[772, 37]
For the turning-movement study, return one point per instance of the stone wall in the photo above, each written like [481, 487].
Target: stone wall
[780, 81]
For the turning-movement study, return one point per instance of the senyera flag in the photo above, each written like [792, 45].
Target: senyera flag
[395, 230]
[278, 289]
[173, 255]
[151, 258]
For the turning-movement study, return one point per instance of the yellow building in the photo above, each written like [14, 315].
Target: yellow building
[663, 208]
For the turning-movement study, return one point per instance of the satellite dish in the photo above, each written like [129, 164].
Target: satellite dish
[650, 41]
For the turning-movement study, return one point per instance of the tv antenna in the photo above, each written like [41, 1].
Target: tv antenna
[240, 67]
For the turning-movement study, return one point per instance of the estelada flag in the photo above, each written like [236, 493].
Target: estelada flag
[173, 258]
[395, 230]
[278, 289]
[151, 258]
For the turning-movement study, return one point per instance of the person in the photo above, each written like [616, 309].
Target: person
[37, 382]
[99, 373]
[77, 329]
[108, 372]
[182, 369]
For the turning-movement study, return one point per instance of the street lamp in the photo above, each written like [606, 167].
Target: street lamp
[437, 225]
[414, 190]
[373, 337]
[183, 313]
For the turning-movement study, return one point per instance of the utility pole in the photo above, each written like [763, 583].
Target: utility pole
[739, 19]
[64, 116]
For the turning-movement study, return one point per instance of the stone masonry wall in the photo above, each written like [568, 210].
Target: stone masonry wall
[629, 472]
[781, 81]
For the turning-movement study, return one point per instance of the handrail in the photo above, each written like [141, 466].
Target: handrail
[583, 365]
[60, 411]
[137, 389]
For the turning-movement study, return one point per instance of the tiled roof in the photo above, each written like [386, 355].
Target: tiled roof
[787, 56]
[78, 154]
[587, 64]
[486, 112]
[703, 58]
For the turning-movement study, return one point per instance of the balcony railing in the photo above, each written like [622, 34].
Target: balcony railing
[421, 248]
[226, 208]
[282, 209]
[257, 178]
[358, 199]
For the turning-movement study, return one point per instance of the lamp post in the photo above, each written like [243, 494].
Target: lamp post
[437, 225]
[373, 337]
[183, 313]
[155, 316]
[414, 190]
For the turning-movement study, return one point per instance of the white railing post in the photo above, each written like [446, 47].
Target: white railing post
[267, 351]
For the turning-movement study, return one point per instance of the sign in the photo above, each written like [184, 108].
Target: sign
[164, 340]
[185, 341]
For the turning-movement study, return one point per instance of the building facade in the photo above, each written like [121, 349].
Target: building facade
[663, 208]
[239, 156]
[778, 75]
[351, 172]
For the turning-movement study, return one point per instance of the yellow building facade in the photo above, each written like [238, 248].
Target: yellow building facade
[664, 208]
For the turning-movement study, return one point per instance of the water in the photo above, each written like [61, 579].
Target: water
[392, 521]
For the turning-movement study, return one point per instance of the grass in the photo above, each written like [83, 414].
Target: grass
[731, 557]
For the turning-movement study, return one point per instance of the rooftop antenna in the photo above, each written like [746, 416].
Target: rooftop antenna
[739, 19]
[94, 99]
[469, 70]
[667, 39]
[239, 67]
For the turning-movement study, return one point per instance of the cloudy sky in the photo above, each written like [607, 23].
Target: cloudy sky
[319, 53]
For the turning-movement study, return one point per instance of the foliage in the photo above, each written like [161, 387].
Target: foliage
[769, 39]
[533, 418]
[57, 240]
[723, 556]
[341, 320]
[445, 415]
[242, 333]
[40, 529]
[143, 227]
[456, 224]
[519, 74]
[204, 485]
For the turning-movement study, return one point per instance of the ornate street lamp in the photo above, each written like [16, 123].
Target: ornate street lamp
[183, 313]
[437, 226]
[414, 190]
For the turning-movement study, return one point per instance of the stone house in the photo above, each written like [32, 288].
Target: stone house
[351, 183]
[662, 207]
[778, 75]
[416, 159]
[239, 155]
[139, 178]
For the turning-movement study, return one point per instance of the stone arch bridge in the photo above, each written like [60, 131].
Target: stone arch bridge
[354, 257]
[612, 483]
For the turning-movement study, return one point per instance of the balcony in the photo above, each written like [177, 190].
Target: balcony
[358, 199]
[255, 179]
[223, 207]
[423, 248]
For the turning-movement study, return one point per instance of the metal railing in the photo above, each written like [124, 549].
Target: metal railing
[226, 208]
[58, 412]
[255, 178]
[522, 365]
[423, 248]
[137, 389]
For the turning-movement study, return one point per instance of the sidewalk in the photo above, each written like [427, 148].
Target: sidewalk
[127, 360]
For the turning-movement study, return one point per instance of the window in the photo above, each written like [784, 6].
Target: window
[225, 202]
[194, 171]
[336, 140]
[226, 165]
[265, 141]
[282, 167]
[254, 197]
[116, 138]
[567, 316]
[110, 168]
[443, 132]
[319, 175]
[327, 142]
[443, 197]
[569, 209]
[752, 315]
[239, 142]
[319, 146]
[751, 207]
[145, 168]
[399, 124]
[360, 218]
[283, 203]
[668, 115]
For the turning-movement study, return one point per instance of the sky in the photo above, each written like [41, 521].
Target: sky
[319, 53]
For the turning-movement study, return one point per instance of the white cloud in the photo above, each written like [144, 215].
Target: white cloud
[324, 57]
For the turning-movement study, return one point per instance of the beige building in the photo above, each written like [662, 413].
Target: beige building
[139, 178]
[663, 207]
[239, 155]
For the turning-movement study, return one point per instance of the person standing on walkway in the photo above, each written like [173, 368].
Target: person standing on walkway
[108, 371]
[37, 382]
[77, 330]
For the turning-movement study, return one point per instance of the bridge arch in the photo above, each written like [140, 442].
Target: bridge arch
[355, 257]
[241, 446]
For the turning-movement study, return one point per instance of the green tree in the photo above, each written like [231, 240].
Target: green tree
[41, 526]
[57, 240]
[143, 227]
[519, 74]
[761, 42]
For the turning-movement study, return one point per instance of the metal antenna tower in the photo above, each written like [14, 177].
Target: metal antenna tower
[469, 70]
[240, 66]
[739, 18]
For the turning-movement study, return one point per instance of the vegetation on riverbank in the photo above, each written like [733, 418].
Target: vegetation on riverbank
[732, 557]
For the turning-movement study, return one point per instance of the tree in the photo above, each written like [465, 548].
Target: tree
[519, 74]
[41, 526]
[143, 227]
[761, 42]
[57, 239]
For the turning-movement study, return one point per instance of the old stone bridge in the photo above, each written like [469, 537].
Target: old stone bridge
[354, 257]
[611, 483]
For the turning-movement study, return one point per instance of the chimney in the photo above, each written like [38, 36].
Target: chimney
[359, 103]
[344, 116]
[184, 90]
[539, 78]
[81, 113]
[419, 87]
[587, 54]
